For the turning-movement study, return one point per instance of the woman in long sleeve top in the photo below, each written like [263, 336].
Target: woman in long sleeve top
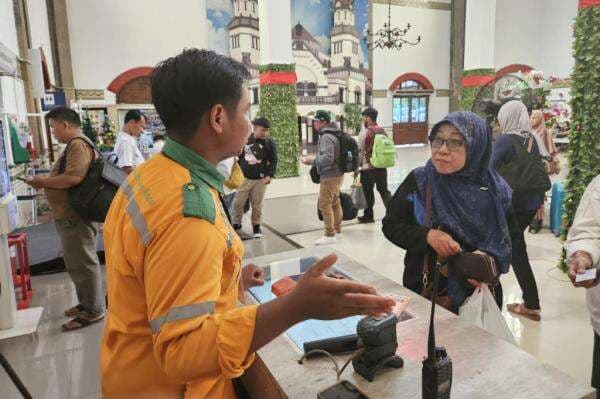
[516, 130]
[469, 205]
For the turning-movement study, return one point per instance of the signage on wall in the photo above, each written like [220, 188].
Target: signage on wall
[53, 99]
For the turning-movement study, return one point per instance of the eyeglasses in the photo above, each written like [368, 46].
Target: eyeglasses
[451, 144]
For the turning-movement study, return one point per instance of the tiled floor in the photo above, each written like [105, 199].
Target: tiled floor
[61, 365]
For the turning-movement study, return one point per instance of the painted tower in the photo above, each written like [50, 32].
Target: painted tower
[344, 37]
[244, 37]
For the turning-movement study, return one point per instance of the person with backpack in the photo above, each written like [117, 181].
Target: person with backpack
[77, 235]
[517, 157]
[327, 164]
[258, 161]
[370, 175]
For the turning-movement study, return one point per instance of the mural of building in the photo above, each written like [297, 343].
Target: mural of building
[325, 81]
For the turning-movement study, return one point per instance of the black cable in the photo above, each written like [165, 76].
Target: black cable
[338, 371]
[14, 377]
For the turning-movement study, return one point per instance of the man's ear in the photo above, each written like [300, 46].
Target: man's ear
[218, 118]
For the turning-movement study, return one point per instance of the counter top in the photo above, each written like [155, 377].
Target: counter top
[484, 366]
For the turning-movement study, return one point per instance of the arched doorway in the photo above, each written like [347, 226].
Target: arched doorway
[410, 108]
[133, 86]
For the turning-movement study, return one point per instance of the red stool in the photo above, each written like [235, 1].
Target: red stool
[21, 269]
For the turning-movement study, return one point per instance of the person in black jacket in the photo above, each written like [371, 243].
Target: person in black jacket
[259, 164]
[469, 204]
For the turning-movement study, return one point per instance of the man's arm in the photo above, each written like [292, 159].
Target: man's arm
[326, 155]
[273, 160]
[369, 140]
[63, 181]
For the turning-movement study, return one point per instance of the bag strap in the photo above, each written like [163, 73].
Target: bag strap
[434, 297]
[427, 222]
[530, 144]
[63, 161]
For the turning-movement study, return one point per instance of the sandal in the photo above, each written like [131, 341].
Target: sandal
[75, 311]
[81, 322]
[519, 309]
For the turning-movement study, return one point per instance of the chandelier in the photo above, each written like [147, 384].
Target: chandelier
[388, 37]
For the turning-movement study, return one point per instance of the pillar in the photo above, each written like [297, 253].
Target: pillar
[278, 82]
[584, 139]
[480, 35]
[457, 51]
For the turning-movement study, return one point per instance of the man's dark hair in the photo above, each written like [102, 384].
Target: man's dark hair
[187, 86]
[371, 113]
[264, 122]
[64, 114]
[133, 115]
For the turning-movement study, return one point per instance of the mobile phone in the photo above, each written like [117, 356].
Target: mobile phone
[342, 390]
[589, 274]
[21, 178]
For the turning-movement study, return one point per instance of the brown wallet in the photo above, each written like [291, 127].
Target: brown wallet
[476, 266]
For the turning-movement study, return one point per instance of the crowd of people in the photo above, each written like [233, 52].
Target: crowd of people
[174, 260]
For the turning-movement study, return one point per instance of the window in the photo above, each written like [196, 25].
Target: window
[341, 95]
[410, 85]
[255, 42]
[337, 47]
[300, 89]
[410, 110]
[357, 95]
[311, 89]
[235, 41]
[354, 48]
[255, 95]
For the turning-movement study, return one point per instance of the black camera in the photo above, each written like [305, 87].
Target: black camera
[377, 336]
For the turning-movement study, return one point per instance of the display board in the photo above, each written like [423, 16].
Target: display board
[309, 330]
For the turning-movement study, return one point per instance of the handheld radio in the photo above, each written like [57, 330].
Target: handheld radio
[437, 367]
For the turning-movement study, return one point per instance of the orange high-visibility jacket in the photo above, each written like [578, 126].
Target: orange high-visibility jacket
[173, 264]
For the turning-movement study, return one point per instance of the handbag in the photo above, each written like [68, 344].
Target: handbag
[236, 178]
[552, 165]
[91, 198]
[314, 175]
[358, 195]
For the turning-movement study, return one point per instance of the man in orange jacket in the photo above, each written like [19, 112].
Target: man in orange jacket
[173, 262]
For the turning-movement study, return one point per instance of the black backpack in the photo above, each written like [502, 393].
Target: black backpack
[349, 210]
[525, 174]
[91, 198]
[349, 157]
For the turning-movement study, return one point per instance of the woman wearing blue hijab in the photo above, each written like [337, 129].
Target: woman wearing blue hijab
[469, 206]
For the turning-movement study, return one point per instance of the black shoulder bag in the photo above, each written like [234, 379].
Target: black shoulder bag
[91, 198]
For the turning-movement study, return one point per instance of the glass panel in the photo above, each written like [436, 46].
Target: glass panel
[410, 85]
[423, 110]
[414, 109]
[400, 110]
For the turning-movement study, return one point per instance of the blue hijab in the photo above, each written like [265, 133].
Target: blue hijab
[471, 204]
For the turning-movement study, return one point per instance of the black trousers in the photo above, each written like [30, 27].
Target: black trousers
[596, 364]
[369, 179]
[520, 259]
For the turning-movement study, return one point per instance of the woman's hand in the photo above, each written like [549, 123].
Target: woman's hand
[442, 243]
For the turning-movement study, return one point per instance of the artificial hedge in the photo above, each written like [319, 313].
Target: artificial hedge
[584, 158]
[468, 94]
[278, 104]
[353, 115]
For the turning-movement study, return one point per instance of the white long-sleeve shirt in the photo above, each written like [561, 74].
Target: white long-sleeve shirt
[584, 236]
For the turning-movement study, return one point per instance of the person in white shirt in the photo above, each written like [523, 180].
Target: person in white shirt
[583, 253]
[225, 167]
[128, 153]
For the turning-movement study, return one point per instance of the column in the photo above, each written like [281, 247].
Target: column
[584, 140]
[480, 35]
[278, 82]
[457, 51]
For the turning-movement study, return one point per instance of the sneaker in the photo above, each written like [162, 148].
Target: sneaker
[364, 219]
[257, 231]
[236, 227]
[326, 240]
[339, 236]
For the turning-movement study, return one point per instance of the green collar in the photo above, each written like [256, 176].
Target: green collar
[197, 165]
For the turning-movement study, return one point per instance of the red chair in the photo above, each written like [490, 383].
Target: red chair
[21, 269]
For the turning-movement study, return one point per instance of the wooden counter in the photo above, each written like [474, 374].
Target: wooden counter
[484, 366]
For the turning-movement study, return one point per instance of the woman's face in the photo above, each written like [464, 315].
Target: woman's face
[535, 120]
[448, 150]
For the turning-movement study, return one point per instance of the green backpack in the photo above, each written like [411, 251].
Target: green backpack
[384, 152]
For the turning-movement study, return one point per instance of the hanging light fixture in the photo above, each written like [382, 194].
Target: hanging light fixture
[388, 37]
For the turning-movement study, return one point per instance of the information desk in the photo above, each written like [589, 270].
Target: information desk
[484, 366]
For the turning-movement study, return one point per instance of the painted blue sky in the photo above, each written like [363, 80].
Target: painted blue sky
[219, 13]
[361, 21]
[317, 17]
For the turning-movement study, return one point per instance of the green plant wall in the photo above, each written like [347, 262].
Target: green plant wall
[278, 104]
[352, 113]
[584, 159]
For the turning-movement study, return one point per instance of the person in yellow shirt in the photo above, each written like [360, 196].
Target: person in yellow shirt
[174, 327]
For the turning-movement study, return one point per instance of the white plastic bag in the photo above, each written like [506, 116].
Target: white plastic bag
[481, 310]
